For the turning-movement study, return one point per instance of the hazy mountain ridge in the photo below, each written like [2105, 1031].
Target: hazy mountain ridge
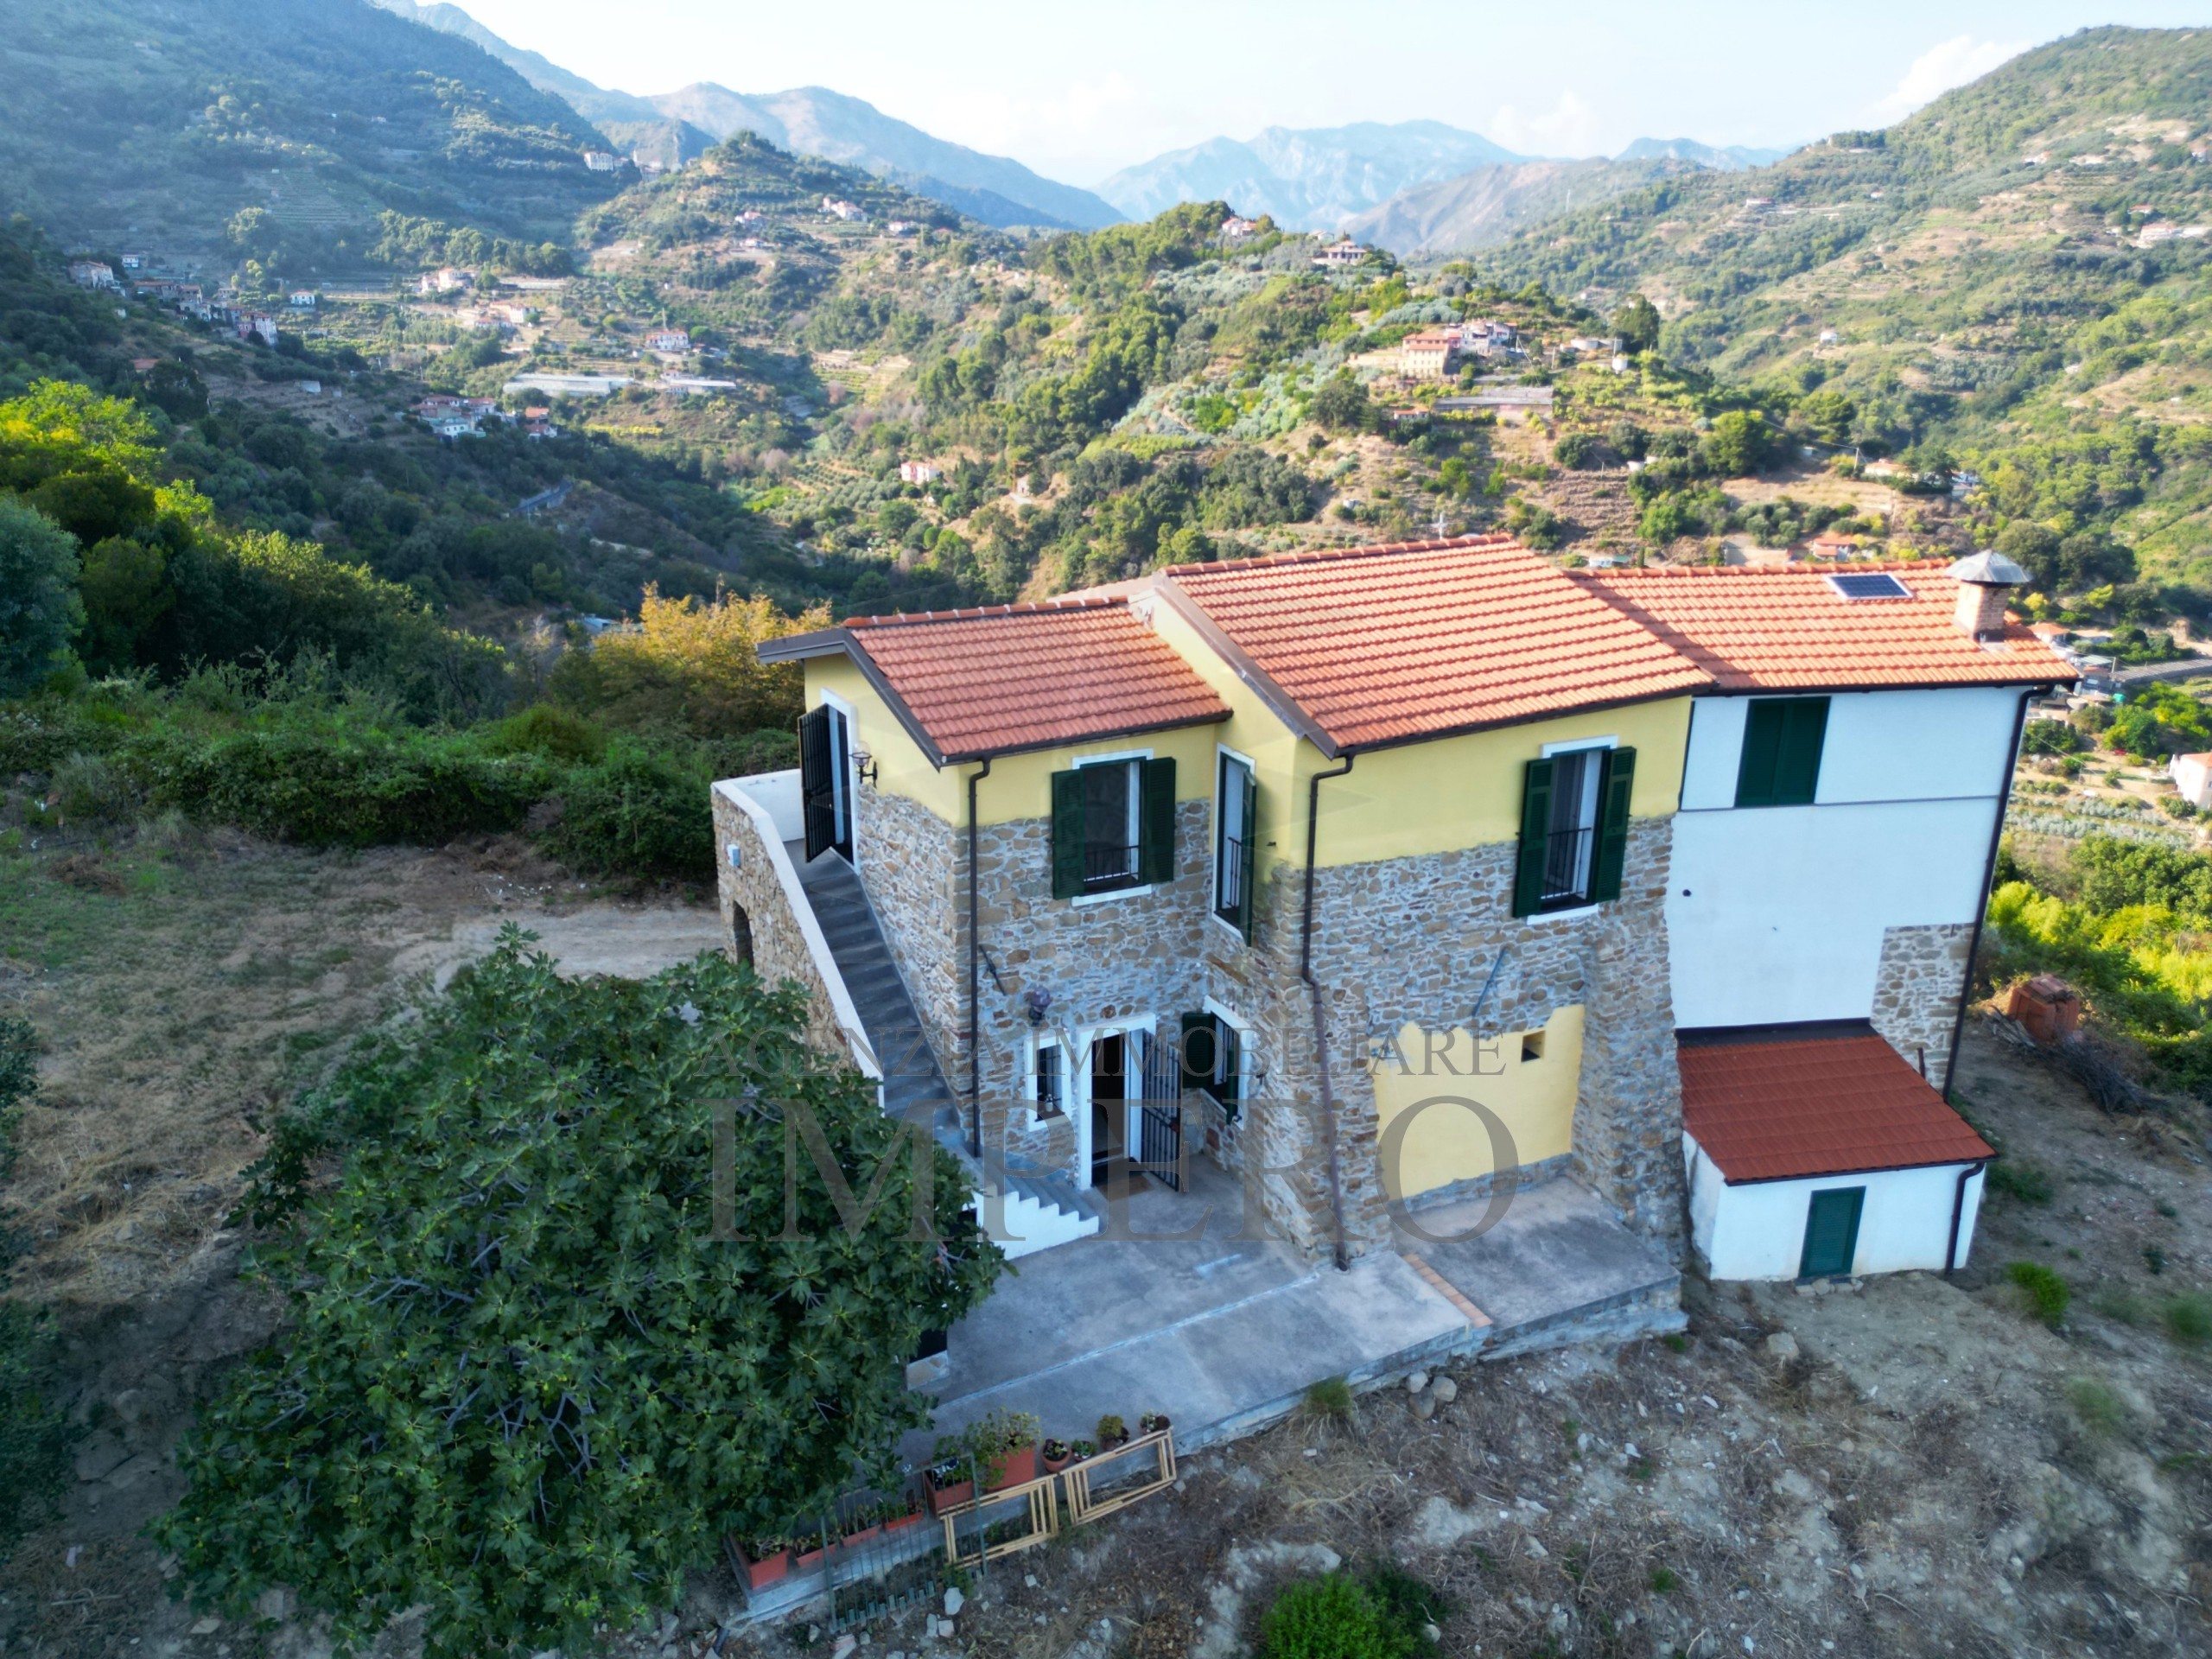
[1722, 158]
[812, 120]
[1485, 206]
[1306, 178]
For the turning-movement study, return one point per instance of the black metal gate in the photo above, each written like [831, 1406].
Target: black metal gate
[1158, 1151]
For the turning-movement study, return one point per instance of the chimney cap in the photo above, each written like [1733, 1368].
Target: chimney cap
[1988, 568]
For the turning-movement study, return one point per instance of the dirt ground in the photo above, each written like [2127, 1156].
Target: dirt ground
[183, 987]
[1907, 1467]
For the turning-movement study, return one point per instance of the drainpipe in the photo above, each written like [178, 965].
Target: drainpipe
[1958, 1214]
[1320, 1023]
[974, 989]
[1981, 905]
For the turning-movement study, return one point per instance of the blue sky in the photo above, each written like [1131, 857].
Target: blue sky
[1080, 90]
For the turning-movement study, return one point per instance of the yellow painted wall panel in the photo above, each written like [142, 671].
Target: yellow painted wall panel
[1534, 1099]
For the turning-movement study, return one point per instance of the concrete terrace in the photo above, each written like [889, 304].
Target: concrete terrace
[1225, 1333]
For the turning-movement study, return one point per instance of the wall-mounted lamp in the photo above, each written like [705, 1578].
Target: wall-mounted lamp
[864, 767]
[1039, 1000]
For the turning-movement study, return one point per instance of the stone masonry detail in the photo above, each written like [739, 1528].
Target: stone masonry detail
[1917, 989]
[779, 949]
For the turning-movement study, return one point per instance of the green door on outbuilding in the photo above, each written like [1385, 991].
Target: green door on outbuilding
[1831, 1232]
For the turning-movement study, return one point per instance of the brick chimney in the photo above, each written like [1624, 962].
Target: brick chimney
[1985, 580]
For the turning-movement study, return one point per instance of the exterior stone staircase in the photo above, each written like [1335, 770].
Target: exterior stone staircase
[1026, 1209]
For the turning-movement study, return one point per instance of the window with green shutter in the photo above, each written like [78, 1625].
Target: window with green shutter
[1213, 1060]
[1233, 816]
[1781, 764]
[1574, 817]
[1113, 826]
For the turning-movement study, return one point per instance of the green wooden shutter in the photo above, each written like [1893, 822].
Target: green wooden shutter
[1536, 829]
[1782, 739]
[1197, 1050]
[1156, 824]
[1797, 768]
[1616, 785]
[1755, 777]
[1247, 857]
[1067, 835]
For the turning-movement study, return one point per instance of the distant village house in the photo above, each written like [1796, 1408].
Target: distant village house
[920, 472]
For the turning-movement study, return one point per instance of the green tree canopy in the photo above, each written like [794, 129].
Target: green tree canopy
[1637, 325]
[522, 1384]
[40, 610]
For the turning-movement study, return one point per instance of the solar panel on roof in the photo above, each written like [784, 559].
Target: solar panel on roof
[1870, 584]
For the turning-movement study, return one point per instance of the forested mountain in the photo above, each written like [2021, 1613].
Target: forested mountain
[1305, 179]
[810, 120]
[150, 123]
[2024, 249]
[1484, 207]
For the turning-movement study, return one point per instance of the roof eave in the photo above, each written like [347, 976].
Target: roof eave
[963, 756]
[839, 642]
[1727, 1179]
[1533, 719]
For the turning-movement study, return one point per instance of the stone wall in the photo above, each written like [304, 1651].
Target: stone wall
[1395, 941]
[1917, 989]
[779, 948]
[1415, 940]
[913, 866]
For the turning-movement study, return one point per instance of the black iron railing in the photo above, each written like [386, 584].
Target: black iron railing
[1108, 865]
[1567, 857]
[1229, 880]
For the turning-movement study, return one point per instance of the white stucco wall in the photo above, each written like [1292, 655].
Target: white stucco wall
[1757, 1230]
[1776, 914]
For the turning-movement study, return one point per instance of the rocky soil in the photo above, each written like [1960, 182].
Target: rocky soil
[1908, 1467]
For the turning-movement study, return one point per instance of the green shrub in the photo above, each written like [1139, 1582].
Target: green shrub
[2029, 1183]
[1333, 1616]
[636, 813]
[1329, 1401]
[2189, 1319]
[331, 785]
[89, 789]
[34, 1431]
[2047, 1293]
[544, 728]
[2095, 1404]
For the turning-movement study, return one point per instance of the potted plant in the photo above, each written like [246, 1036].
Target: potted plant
[1153, 1422]
[1057, 1456]
[947, 1480]
[767, 1559]
[1006, 1446]
[905, 1513]
[1112, 1431]
[1080, 1450]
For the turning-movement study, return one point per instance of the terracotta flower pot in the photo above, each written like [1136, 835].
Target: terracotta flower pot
[863, 1534]
[1053, 1466]
[1153, 1422]
[903, 1522]
[1014, 1469]
[807, 1560]
[950, 1496]
[760, 1574]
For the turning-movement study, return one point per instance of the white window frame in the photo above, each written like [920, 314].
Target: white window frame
[1039, 1041]
[1086, 1045]
[1245, 1041]
[1223, 751]
[1596, 808]
[1129, 757]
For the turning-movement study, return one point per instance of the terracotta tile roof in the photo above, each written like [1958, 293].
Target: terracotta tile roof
[1772, 628]
[1024, 677]
[1412, 639]
[1797, 1107]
